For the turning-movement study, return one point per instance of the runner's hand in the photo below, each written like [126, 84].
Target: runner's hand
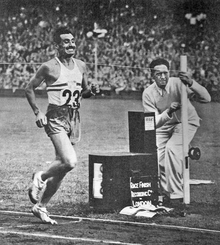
[95, 88]
[41, 119]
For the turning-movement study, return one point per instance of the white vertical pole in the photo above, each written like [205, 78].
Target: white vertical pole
[96, 60]
[184, 99]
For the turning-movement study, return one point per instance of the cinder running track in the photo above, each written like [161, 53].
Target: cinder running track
[23, 228]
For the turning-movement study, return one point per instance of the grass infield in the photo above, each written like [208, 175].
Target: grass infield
[25, 149]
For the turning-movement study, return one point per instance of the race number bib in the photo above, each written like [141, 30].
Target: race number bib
[71, 96]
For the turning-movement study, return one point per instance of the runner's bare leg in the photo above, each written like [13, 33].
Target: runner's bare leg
[65, 161]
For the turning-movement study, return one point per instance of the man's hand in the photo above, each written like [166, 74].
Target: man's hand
[185, 78]
[41, 119]
[95, 89]
[175, 106]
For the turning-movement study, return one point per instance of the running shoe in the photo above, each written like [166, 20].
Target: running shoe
[36, 187]
[43, 215]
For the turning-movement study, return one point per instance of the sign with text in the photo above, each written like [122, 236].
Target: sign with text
[144, 190]
[149, 123]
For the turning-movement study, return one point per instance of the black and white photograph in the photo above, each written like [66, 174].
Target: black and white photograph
[110, 122]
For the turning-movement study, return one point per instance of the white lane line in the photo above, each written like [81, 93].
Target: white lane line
[17, 226]
[49, 236]
[70, 222]
[173, 227]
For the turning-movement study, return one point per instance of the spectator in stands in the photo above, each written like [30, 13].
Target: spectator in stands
[132, 43]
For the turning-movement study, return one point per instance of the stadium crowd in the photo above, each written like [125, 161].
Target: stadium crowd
[123, 54]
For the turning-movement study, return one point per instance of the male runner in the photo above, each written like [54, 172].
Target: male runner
[66, 82]
[164, 98]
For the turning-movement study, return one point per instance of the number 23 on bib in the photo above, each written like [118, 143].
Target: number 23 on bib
[72, 95]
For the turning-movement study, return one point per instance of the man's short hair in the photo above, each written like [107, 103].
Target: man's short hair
[157, 62]
[60, 31]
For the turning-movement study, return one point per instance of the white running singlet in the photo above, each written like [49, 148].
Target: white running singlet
[66, 90]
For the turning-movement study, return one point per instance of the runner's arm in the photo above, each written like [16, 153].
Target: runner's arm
[35, 81]
[87, 90]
